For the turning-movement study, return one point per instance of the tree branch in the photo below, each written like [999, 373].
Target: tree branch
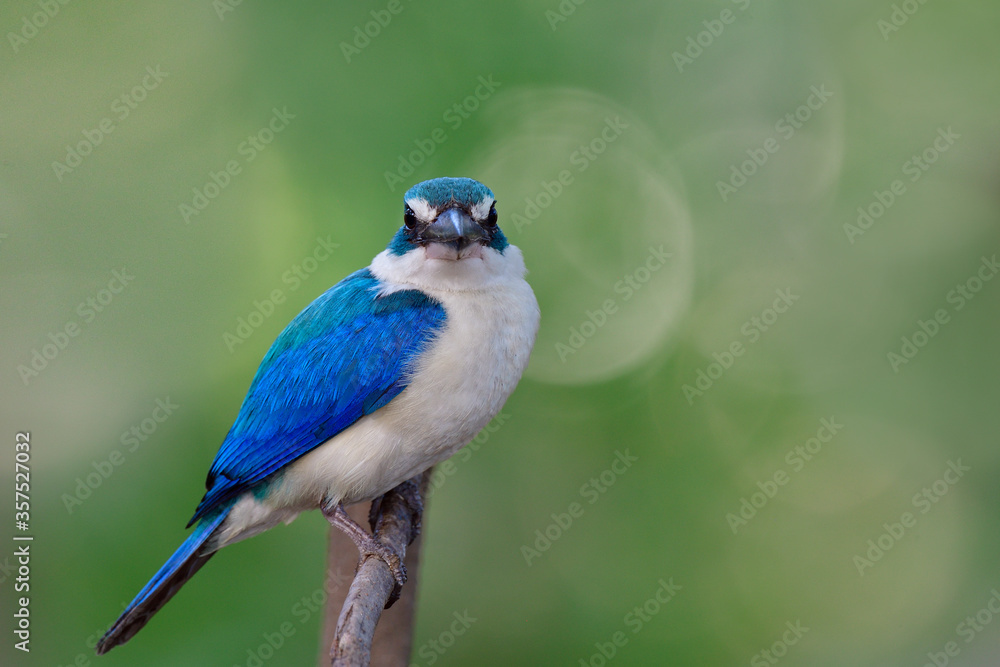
[353, 639]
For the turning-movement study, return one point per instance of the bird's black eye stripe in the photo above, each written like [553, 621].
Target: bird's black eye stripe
[491, 217]
[409, 218]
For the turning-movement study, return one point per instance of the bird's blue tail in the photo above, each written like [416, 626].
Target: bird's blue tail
[175, 572]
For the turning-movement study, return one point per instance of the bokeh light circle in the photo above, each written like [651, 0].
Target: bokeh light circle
[606, 233]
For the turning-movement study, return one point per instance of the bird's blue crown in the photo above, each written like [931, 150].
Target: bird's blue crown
[442, 192]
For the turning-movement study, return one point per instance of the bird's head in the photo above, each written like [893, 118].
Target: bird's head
[450, 219]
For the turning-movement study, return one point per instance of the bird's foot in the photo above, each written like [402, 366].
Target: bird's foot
[368, 546]
[388, 556]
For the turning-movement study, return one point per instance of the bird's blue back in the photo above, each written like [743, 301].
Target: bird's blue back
[345, 356]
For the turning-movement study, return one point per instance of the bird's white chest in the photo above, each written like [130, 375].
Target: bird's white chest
[466, 375]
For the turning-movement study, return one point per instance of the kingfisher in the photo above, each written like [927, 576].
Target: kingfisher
[387, 373]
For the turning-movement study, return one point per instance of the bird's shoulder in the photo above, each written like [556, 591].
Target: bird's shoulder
[358, 299]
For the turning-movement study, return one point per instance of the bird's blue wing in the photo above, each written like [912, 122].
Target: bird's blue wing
[345, 356]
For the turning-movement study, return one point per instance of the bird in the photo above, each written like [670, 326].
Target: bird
[385, 374]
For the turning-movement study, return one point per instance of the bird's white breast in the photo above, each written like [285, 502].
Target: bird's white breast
[460, 382]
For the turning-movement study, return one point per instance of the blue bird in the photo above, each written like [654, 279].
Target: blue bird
[388, 372]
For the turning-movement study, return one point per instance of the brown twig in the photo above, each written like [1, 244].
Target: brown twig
[353, 639]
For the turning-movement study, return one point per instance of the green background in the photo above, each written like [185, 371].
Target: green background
[682, 127]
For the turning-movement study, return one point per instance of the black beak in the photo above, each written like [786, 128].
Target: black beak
[453, 226]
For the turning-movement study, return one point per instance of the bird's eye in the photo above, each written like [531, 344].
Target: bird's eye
[409, 218]
[491, 217]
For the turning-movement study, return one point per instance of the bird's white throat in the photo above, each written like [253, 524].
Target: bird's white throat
[420, 269]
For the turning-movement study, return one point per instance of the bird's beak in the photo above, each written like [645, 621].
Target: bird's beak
[453, 235]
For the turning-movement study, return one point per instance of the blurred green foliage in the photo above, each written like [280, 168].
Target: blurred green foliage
[669, 170]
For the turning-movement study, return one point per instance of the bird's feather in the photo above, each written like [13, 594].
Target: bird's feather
[346, 355]
[180, 567]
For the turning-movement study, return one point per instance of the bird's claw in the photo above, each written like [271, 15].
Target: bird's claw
[392, 560]
[368, 545]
